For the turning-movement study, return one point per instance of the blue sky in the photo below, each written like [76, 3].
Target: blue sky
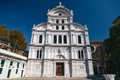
[97, 14]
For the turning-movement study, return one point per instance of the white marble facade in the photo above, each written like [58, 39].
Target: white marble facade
[59, 47]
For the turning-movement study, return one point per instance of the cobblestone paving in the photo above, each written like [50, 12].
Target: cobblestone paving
[37, 78]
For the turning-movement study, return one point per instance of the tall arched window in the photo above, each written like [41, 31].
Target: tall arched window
[65, 39]
[79, 39]
[57, 27]
[57, 21]
[55, 39]
[82, 54]
[40, 39]
[40, 55]
[60, 39]
[62, 21]
[62, 27]
[37, 53]
[79, 56]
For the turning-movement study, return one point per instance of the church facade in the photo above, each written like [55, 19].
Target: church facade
[59, 47]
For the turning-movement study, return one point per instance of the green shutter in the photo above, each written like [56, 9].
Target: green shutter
[23, 66]
[16, 71]
[1, 70]
[22, 73]
[11, 63]
[2, 62]
[17, 65]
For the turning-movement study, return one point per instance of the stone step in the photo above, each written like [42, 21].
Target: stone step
[56, 78]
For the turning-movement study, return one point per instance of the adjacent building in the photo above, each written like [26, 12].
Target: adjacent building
[100, 57]
[12, 65]
[59, 47]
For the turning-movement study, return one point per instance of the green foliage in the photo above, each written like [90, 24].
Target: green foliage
[17, 40]
[4, 33]
[113, 46]
[15, 37]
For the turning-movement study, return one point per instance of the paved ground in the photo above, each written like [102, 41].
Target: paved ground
[37, 78]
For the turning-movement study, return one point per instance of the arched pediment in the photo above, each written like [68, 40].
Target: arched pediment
[79, 27]
[60, 56]
[41, 26]
[61, 11]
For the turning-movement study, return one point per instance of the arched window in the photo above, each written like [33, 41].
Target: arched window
[60, 39]
[57, 27]
[82, 54]
[62, 21]
[40, 55]
[79, 56]
[55, 39]
[62, 27]
[60, 14]
[37, 53]
[57, 21]
[40, 39]
[65, 39]
[79, 39]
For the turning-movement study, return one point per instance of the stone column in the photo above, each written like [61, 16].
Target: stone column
[57, 39]
[76, 39]
[66, 70]
[51, 38]
[47, 38]
[73, 38]
[35, 38]
[62, 39]
[54, 69]
[68, 39]
[32, 39]
[43, 38]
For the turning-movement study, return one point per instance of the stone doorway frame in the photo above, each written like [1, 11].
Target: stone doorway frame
[60, 66]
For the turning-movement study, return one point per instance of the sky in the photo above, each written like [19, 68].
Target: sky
[98, 15]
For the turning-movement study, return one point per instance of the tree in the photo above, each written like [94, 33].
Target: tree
[4, 33]
[17, 40]
[113, 46]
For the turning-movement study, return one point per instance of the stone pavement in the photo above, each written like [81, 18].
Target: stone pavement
[56, 78]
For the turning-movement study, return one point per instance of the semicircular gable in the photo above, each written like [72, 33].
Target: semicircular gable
[60, 10]
[79, 27]
[41, 26]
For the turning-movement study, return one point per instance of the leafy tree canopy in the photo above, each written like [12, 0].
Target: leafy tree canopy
[4, 33]
[113, 46]
[17, 40]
